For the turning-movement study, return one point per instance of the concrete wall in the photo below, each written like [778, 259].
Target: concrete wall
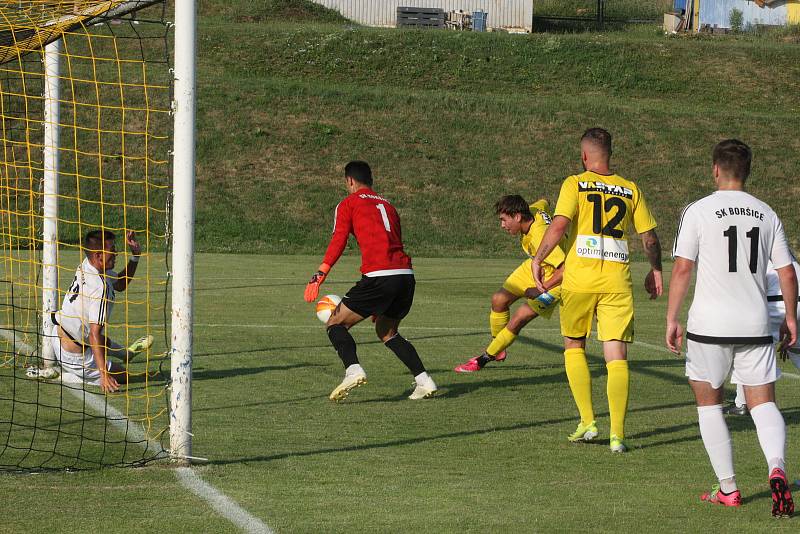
[718, 12]
[502, 13]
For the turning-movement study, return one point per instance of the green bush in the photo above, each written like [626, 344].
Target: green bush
[737, 20]
[270, 11]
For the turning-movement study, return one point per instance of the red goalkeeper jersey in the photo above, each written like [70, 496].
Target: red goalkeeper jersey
[376, 225]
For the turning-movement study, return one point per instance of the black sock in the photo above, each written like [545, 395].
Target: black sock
[344, 344]
[407, 354]
[483, 359]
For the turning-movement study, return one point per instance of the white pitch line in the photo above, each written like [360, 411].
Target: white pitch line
[98, 403]
[305, 327]
[221, 503]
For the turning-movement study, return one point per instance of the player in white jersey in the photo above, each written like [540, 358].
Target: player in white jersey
[777, 312]
[78, 335]
[730, 235]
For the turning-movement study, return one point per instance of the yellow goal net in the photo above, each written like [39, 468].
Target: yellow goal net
[85, 105]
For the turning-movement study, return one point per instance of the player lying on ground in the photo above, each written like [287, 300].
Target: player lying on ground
[386, 288]
[730, 236]
[599, 206]
[78, 334]
[777, 314]
[530, 223]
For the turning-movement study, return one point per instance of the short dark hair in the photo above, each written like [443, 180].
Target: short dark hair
[600, 138]
[511, 205]
[95, 240]
[733, 158]
[359, 171]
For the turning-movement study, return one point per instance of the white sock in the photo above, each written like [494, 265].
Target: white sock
[740, 400]
[424, 379]
[354, 369]
[771, 431]
[728, 485]
[717, 440]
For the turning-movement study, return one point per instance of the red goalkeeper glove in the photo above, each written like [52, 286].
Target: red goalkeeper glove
[312, 288]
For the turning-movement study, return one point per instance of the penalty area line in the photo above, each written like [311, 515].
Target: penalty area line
[191, 481]
[221, 503]
[99, 404]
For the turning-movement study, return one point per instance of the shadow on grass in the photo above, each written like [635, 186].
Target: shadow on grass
[766, 495]
[645, 367]
[411, 441]
[538, 343]
[328, 345]
[388, 444]
[648, 367]
[252, 404]
[215, 374]
[736, 425]
[465, 388]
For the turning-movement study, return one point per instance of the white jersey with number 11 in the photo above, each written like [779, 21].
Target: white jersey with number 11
[731, 235]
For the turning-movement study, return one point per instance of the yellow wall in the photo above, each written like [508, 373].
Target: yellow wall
[793, 11]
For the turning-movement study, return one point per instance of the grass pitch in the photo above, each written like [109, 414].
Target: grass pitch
[489, 454]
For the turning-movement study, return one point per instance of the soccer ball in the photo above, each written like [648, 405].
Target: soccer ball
[326, 305]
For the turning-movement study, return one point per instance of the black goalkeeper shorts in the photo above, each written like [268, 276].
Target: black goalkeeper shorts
[389, 296]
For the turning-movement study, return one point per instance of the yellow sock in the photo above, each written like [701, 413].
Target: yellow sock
[617, 390]
[498, 321]
[501, 342]
[580, 382]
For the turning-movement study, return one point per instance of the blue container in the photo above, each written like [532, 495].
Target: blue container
[679, 5]
[479, 21]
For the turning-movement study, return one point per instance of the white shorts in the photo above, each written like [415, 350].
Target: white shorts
[79, 365]
[753, 365]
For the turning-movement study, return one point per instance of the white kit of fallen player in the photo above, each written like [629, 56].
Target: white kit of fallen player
[78, 335]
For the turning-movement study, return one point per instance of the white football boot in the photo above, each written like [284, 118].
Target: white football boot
[353, 378]
[425, 387]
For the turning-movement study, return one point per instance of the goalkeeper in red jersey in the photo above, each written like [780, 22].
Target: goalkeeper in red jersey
[530, 223]
[386, 288]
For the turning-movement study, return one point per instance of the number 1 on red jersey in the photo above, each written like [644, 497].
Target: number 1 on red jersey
[385, 217]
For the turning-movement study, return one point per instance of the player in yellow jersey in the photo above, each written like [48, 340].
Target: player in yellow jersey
[530, 223]
[598, 207]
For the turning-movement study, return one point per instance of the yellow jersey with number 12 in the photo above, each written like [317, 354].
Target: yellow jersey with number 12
[601, 208]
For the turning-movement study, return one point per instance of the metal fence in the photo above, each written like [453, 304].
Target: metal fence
[597, 13]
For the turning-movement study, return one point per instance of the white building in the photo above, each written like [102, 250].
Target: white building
[501, 13]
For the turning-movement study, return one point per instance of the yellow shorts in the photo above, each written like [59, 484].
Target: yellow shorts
[522, 279]
[614, 315]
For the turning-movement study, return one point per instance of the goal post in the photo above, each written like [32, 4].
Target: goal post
[183, 231]
[88, 115]
[52, 70]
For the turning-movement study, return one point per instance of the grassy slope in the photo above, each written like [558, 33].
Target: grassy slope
[450, 121]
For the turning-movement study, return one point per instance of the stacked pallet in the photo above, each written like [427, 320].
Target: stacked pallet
[420, 17]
